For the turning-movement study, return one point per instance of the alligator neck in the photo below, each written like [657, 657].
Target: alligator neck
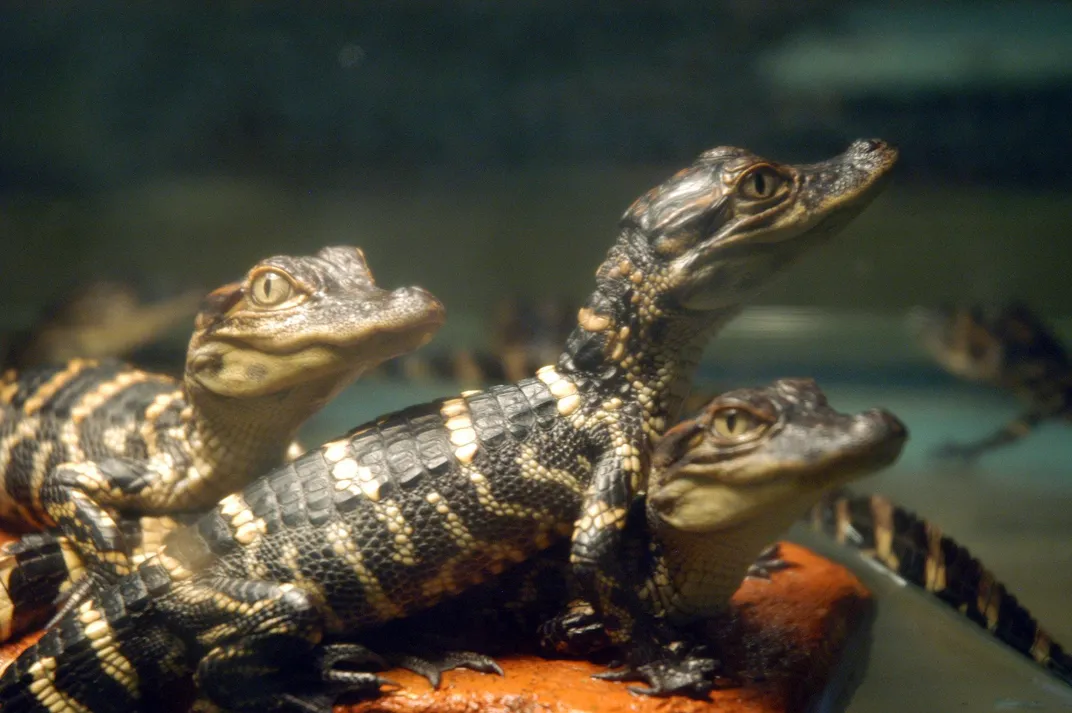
[632, 339]
[235, 439]
[702, 570]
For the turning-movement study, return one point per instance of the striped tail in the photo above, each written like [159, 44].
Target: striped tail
[95, 659]
[917, 551]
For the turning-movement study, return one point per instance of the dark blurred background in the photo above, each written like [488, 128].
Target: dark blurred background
[486, 150]
[498, 142]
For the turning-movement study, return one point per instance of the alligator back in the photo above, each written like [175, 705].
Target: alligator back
[419, 505]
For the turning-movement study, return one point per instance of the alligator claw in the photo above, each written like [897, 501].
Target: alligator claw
[355, 655]
[434, 666]
[577, 633]
[79, 592]
[692, 677]
[340, 666]
[769, 561]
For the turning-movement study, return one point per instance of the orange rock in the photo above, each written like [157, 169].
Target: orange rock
[785, 636]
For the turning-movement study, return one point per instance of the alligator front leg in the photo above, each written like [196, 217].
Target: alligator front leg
[596, 557]
[264, 651]
[1007, 434]
[82, 500]
[598, 545]
[42, 570]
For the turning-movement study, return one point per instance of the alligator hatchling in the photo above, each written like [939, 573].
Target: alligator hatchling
[420, 505]
[723, 486]
[1009, 347]
[87, 443]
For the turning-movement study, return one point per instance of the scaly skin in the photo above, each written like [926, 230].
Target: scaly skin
[420, 505]
[1007, 347]
[720, 491]
[85, 445]
[41, 566]
[919, 552]
[723, 486]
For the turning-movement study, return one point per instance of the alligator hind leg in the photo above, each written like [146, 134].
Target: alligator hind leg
[1006, 435]
[264, 651]
[82, 499]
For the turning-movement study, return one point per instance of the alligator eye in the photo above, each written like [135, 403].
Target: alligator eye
[759, 183]
[737, 424]
[271, 288]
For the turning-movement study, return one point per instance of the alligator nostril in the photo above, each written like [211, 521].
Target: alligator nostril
[895, 426]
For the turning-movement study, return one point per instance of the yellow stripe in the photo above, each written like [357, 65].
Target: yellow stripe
[102, 639]
[44, 689]
[51, 387]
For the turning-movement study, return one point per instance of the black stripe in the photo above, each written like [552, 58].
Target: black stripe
[911, 546]
[125, 407]
[488, 419]
[30, 381]
[35, 580]
[963, 575]
[86, 381]
[18, 475]
[80, 672]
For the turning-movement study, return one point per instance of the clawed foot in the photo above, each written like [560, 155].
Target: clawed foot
[433, 666]
[340, 666]
[692, 677]
[577, 633]
[349, 664]
[769, 561]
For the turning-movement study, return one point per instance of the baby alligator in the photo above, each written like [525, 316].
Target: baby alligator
[1008, 347]
[722, 487]
[422, 504]
[87, 442]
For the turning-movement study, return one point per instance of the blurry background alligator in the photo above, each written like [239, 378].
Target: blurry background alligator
[1008, 347]
[99, 319]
